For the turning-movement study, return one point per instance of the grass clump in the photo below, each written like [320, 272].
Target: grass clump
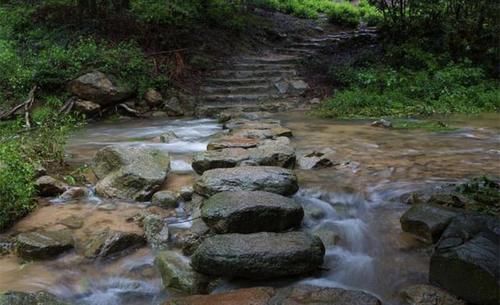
[386, 91]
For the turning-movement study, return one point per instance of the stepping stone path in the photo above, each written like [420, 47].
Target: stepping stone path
[269, 81]
[247, 209]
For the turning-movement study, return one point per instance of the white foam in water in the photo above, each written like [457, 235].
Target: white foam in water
[180, 166]
[353, 233]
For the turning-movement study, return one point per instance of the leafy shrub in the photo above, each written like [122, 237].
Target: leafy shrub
[16, 184]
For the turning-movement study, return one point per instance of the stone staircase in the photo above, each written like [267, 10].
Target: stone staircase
[270, 81]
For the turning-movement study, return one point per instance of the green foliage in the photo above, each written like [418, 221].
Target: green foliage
[340, 12]
[16, 186]
[384, 91]
[485, 193]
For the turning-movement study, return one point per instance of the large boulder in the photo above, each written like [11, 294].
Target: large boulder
[43, 244]
[465, 260]
[428, 295]
[130, 171]
[247, 178]
[108, 242]
[427, 221]
[224, 158]
[259, 255]
[273, 154]
[177, 273]
[25, 298]
[249, 212]
[99, 88]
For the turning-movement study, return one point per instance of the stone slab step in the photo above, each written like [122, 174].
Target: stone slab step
[253, 89]
[295, 51]
[237, 81]
[262, 66]
[259, 255]
[237, 98]
[255, 73]
[307, 45]
[271, 59]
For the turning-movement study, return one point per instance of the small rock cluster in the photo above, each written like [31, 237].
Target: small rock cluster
[96, 92]
[465, 255]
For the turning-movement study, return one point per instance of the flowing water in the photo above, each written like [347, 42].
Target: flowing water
[360, 199]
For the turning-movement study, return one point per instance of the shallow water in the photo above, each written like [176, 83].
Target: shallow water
[360, 198]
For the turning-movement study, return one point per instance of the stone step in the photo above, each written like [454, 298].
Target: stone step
[295, 51]
[322, 40]
[271, 59]
[307, 45]
[262, 66]
[251, 212]
[255, 73]
[234, 99]
[253, 89]
[259, 255]
[237, 81]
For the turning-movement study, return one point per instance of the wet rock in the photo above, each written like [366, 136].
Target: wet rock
[159, 114]
[156, 231]
[108, 242]
[232, 142]
[247, 178]
[282, 86]
[165, 199]
[186, 193]
[75, 193]
[428, 295]
[177, 273]
[224, 158]
[259, 255]
[245, 296]
[43, 244]
[107, 207]
[167, 137]
[427, 221]
[86, 107]
[72, 222]
[317, 160]
[130, 171]
[173, 107]
[259, 134]
[382, 123]
[48, 186]
[299, 86]
[7, 245]
[25, 298]
[306, 295]
[249, 212]
[465, 260]
[153, 97]
[276, 141]
[99, 88]
[251, 124]
[273, 155]
[328, 236]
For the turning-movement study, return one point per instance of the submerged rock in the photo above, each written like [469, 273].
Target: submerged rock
[247, 178]
[428, 295]
[48, 186]
[259, 255]
[382, 123]
[130, 171]
[465, 260]
[108, 242]
[43, 244]
[249, 212]
[99, 88]
[427, 221]
[224, 158]
[245, 296]
[25, 298]
[177, 273]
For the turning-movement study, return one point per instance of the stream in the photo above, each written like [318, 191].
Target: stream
[361, 198]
